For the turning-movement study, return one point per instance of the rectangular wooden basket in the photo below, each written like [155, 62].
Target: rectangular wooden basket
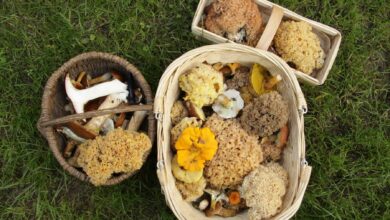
[272, 16]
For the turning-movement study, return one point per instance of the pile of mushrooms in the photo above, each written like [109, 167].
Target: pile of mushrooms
[107, 91]
[218, 102]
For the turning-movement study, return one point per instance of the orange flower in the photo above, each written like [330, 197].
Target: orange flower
[194, 147]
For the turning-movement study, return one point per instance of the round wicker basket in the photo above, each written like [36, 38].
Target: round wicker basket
[54, 101]
[294, 154]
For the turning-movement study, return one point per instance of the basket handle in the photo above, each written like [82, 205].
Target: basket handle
[271, 28]
[89, 114]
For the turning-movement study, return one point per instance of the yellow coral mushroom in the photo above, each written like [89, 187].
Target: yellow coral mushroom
[194, 147]
[261, 81]
[202, 85]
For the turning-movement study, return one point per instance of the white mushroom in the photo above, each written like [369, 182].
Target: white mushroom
[107, 126]
[136, 120]
[80, 97]
[111, 101]
[228, 104]
[71, 135]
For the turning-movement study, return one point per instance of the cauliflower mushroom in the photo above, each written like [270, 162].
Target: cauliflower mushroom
[265, 114]
[263, 190]
[296, 43]
[238, 20]
[202, 85]
[120, 151]
[237, 155]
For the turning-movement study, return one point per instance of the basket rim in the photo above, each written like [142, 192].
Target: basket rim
[49, 132]
[163, 163]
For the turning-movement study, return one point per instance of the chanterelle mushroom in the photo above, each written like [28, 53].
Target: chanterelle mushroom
[80, 97]
[228, 104]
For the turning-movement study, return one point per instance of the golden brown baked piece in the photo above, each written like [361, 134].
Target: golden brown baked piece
[237, 20]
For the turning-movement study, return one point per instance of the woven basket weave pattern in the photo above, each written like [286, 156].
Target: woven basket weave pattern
[54, 100]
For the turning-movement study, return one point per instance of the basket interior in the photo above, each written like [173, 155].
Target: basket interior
[329, 38]
[55, 99]
[291, 155]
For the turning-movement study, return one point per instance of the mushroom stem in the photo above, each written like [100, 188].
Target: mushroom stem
[80, 131]
[119, 121]
[272, 82]
[136, 120]
[225, 101]
[69, 148]
[80, 97]
[80, 77]
[107, 126]
[69, 134]
[99, 79]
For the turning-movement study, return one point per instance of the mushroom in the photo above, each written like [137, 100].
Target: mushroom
[203, 204]
[79, 130]
[73, 160]
[93, 104]
[103, 78]
[221, 211]
[282, 136]
[272, 82]
[136, 120]
[117, 76]
[69, 108]
[71, 135]
[70, 146]
[125, 123]
[107, 126]
[128, 79]
[120, 119]
[216, 196]
[218, 66]
[233, 67]
[138, 96]
[80, 97]
[111, 101]
[195, 111]
[228, 104]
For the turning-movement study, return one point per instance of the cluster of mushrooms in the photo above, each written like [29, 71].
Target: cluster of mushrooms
[109, 144]
[229, 129]
[241, 21]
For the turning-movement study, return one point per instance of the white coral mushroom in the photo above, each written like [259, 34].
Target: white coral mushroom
[228, 104]
[80, 97]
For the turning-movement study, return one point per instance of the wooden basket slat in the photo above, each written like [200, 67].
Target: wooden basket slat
[318, 77]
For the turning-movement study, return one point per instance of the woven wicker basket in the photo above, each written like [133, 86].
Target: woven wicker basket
[294, 154]
[273, 14]
[54, 100]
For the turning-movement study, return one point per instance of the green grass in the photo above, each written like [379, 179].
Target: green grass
[347, 127]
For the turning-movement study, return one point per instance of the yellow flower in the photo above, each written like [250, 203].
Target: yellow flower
[194, 147]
